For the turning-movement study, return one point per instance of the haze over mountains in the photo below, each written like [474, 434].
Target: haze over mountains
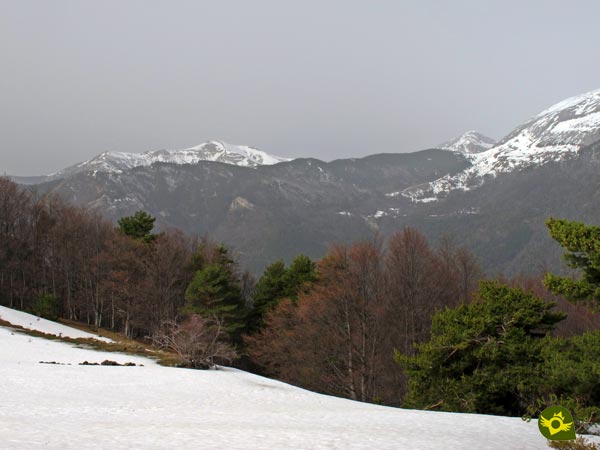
[493, 197]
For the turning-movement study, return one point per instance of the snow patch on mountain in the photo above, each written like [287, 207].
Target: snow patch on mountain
[555, 134]
[468, 143]
[216, 151]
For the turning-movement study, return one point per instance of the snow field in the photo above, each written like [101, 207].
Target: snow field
[154, 407]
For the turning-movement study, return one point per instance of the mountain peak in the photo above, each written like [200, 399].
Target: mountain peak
[470, 142]
[240, 155]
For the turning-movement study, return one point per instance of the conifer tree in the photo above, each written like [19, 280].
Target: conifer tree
[215, 290]
[270, 288]
[277, 283]
[299, 275]
[484, 357]
[139, 226]
[582, 243]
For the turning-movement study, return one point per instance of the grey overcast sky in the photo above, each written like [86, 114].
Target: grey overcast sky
[325, 79]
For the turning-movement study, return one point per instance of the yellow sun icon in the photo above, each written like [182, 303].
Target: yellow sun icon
[556, 423]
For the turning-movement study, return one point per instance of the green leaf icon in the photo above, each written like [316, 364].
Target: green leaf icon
[556, 424]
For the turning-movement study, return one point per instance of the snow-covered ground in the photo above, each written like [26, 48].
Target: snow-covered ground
[154, 407]
[31, 322]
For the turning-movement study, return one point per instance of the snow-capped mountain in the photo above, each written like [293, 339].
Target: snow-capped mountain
[555, 134]
[468, 143]
[279, 211]
[218, 151]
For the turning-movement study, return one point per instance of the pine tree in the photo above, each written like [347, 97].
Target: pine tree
[299, 275]
[277, 283]
[572, 375]
[485, 357]
[215, 289]
[139, 226]
[582, 243]
[270, 288]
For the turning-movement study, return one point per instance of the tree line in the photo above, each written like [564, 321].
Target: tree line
[59, 260]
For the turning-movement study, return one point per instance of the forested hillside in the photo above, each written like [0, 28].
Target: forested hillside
[332, 325]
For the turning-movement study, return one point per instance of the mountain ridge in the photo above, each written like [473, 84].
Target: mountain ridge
[268, 212]
[117, 162]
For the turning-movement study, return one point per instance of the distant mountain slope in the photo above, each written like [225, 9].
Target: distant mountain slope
[502, 221]
[494, 201]
[267, 212]
[555, 134]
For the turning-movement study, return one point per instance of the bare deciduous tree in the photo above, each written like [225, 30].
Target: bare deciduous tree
[199, 342]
